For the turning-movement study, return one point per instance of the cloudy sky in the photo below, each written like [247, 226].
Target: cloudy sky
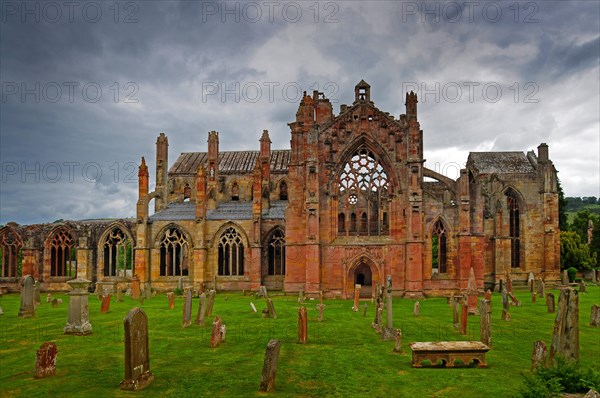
[88, 86]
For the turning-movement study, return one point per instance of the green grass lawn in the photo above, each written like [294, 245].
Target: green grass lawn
[344, 357]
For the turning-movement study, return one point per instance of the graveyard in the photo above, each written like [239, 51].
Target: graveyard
[343, 354]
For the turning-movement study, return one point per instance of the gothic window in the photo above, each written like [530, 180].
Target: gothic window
[63, 256]
[439, 248]
[235, 192]
[283, 191]
[363, 192]
[514, 228]
[231, 253]
[174, 253]
[187, 192]
[10, 251]
[118, 254]
[342, 224]
[277, 253]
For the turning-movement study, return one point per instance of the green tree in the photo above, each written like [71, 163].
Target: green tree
[595, 243]
[581, 222]
[574, 252]
[563, 220]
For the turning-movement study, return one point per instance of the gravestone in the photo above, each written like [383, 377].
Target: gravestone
[320, 308]
[27, 309]
[485, 323]
[201, 310]
[147, 291]
[105, 304]
[356, 297]
[365, 308]
[49, 298]
[582, 286]
[416, 308]
[223, 332]
[119, 296]
[513, 300]
[550, 302]
[302, 325]
[565, 337]
[270, 365]
[595, 316]
[171, 300]
[565, 277]
[505, 312]
[531, 282]
[389, 333]
[45, 360]
[216, 335]
[253, 307]
[300, 296]
[539, 354]
[78, 322]
[263, 292]
[210, 302]
[54, 303]
[472, 293]
[533, 297]
[187, 308]
[137, 356]
[398, 347]
[36, 292]
[463, 318]
[135, 287]
[541, 288]
[456, 313]
[271, 309]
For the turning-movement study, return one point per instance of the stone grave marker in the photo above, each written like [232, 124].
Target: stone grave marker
[147, 291]
[45, 360]
[119, 296]
[389, 333]
[541, 288]
[137, 355]
[505, 311]
[550, 302]
[223, 332]
[472, 293]
[263, 292]
[533, 297]
[171, 300]
[582, 286]
[485, 322]
[565, 337]
[513, 300]
[565, 277]
[135, 287]
[320, 308]
[365, 308]
[54, 303]
[187, 308]
[270, 365]
[463, 317]
[356, 297]
[416, 308]
[105, 307]
[271, 309]
[398, 347]
[49, 298]
[36, 292]
[531, 282]
[253, 307]
[300, 296]
[27, 309]
[210, 302]
[595, 316]
[302, 325]
[539, 354]
[201, 310]
[215, 336]
[456, 313]
[78, 322]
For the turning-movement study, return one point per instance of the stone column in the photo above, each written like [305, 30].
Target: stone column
[78, 322]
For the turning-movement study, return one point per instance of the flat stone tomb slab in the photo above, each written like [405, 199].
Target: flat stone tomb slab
[448, 352]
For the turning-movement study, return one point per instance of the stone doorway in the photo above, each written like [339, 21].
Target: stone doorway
[364, 277]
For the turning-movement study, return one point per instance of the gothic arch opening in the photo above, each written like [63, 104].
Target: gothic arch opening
[10, 253]
[363, 272]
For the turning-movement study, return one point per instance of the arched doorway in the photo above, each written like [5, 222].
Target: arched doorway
[364, 277]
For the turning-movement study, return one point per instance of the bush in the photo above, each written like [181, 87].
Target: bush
[572, 272]
[562, 376]
[178, 291]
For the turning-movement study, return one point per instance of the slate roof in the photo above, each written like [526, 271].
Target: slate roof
[225, 211]
[230, 162]
[176, 211]
[500, 163]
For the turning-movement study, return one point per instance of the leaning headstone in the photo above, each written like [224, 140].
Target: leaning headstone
[505, 312]
[270, 365]
[398, 347]
[171, 300]
[105, 307]
[135, 287]
[565, 337]
[201, 310]
[137, 358]
[463, 317]
[472, 293]
[45, 361]
[216, 336]
[210, 302]
[253, 307]
[550, 302]
[416, 308]
[541, 288]
[485, 323]
[513, 300]
[539, 354]
[302, 325]
[271, 309]
[78, 322]
[389, 333]
[187, 309]
[27, 309]
[320, 308]
[595, 316]
[365, 308]
[582, 286]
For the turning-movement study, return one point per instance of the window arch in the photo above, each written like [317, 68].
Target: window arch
[231, 253]
[63, 255]
[174, 253]
[514, 229]
[10, 253]
[276, 253]
[118, 253]
[187, 192]
[439, 247]
[363, 188]
[283, 191]
[235, 192]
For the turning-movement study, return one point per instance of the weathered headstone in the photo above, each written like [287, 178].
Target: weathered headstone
[270, 365]
[550, 302]
[271, 309]
[356, 297]
[565, 277]
[49, 298]
[137, 356]
[105, 307]
[472, 293]
[78, 322]
[45, 361]
[216, 335]
[36, 292]
[135, 287]
[210, 302]
[533, 297]
[300, 296]
[565, 337]
[505, 312]
[171, 300]
[485, 322]
[365, 308]
[54, 303]
[27, 309]
[223, 332]
[595, 316]
[263, 292]
[389, 333]
[253, 307]
[463, 317]
[531, 282]
[119, 296]
[320, 308]
[541, 289]
[456, 313]
[302, 325]
[417, 308]
[187, 309]
[582, 286]
[398, 347]
[147, 291]
[201, 310]
[539, 354]
[513, 300]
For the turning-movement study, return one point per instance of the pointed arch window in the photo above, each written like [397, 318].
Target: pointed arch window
[235, 192]
[174, 253]
[187, 192]
[118, 254]
[10, 254]
[276, 253]
[514, 231]
[439, 248]
[63, 255]
[283, 191]
[231, 253]
[363, 188]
